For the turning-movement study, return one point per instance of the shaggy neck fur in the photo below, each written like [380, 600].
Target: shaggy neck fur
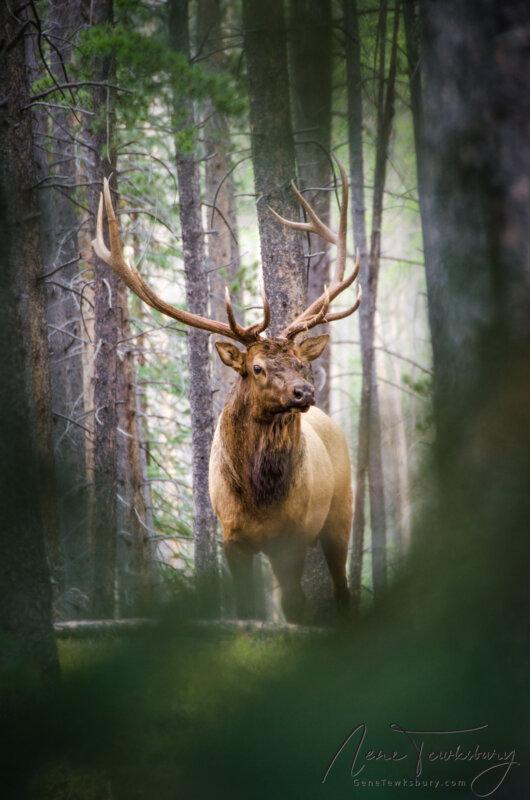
[260, 456]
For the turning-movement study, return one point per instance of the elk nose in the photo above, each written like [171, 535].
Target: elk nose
[303, 394]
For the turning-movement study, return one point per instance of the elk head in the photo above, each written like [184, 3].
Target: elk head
[274, 370]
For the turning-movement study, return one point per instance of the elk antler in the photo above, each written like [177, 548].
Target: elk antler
[317, 312]
[132, 278]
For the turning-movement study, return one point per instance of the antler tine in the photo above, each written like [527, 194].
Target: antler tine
[259, 327]
[347, 311]
[315, 226]
[312, 315]
[132, 278]
[343, 224]
[306, 323]
[313, 309]
[125, 270]
[252, 332]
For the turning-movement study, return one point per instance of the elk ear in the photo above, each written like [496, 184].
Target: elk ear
[232, 356]
[311, 348]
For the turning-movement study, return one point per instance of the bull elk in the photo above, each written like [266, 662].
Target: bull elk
[280, 477]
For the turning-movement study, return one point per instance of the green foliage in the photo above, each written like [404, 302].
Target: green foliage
[420, 386]
[153, 73]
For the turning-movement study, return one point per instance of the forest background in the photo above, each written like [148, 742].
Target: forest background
[201, 114]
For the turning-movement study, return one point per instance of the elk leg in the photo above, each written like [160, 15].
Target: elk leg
[288, 566]
[240, 561]
[336, 553]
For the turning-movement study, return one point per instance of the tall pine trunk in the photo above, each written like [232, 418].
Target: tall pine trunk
[310, 72]
[222, 235]
[355, 140]
[369, 455]
[434, 268]
[476, 123]
[26, 486]
[310, 69]
[200, 391]
[55, 158]
[133, 509]
[273, 158]
[99, 133]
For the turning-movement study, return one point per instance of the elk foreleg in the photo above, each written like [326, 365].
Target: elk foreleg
[288, 565]
[336, 552]
[240, 562]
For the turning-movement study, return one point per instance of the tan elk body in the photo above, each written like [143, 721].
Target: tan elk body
[280, 476]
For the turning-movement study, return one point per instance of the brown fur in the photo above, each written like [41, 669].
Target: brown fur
[259, 454]
[279, 479]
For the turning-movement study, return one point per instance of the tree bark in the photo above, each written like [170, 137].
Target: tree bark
[435, 269]
[200, 391]
[310, 69]
[132, 510]
[476, 123]
[26, 467]
[457, 308]
[273, 159]
[369, 456]
[355, 141]
[99, 133]
[57, 178]
[222, 238]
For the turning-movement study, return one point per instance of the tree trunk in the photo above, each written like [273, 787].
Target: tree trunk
[222, 238]
[457, 309]
[310, 68]
[26, 470]
[476, 123]
[355, 126]
[99, 133]
[57, 175]
[132, 546]
[200, 392]
[375, 466]
[369, 456]
[437, 300]
[273, 159]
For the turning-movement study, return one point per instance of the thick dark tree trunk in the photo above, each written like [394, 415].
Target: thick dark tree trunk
[200, 391]
[476, 122]
[273, 158]
[26, 468]
[443, 340]
[476, 177]
[310, 68]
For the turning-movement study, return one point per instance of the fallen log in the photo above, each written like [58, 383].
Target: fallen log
[87, 629]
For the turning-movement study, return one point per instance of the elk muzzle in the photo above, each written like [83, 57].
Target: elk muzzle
[303, 395]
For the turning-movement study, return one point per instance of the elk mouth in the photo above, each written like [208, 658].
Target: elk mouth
[303, 409]
[302, 405]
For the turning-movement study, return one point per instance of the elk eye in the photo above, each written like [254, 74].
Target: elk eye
[257, 369]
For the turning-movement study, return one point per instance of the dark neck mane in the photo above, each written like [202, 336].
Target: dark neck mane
[259, 456]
